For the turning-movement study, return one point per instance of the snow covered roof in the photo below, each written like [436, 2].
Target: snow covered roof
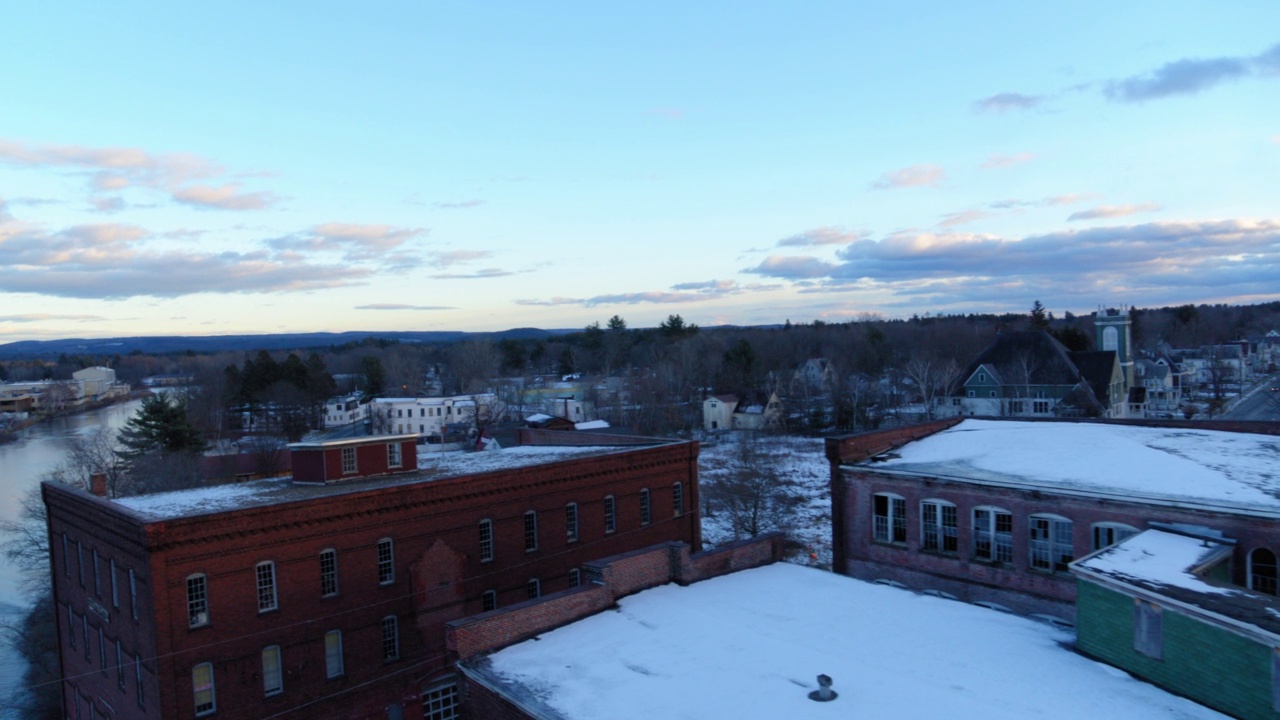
[591, 425]
[1227, 471]
[750, 645]
[274, 491]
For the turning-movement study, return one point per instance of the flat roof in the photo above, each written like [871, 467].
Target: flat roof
[751, 644]
[1212, 468]
[431, 466]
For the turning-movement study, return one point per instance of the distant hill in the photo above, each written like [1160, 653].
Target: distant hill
[160, 345]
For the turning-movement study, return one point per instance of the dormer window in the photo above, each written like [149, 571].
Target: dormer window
[982, 377]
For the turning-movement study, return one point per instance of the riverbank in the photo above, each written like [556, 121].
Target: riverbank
[9, 433]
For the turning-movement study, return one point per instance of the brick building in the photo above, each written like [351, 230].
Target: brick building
[327, 595]
[994, 511]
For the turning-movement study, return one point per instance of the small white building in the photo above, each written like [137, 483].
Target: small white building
[343, 411]
[428, 416]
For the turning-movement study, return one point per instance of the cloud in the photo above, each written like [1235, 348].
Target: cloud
[111, 204]
[1113, 211]
[683, 293]
[1193, 75]
[112, 169]
[40, 318]
[460, 205]
[393, 306]
[477, 275]
[1005, 102]
[1069, 199]
[1161, 262]
[822, 236]
[223, 197]
[914, 176]
[962, 218]
[450, 258]
[355, 242]
[1004, 161]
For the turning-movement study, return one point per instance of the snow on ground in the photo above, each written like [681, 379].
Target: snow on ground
[804, 476]
[1210, 466]
[750, 645]
[1158, 557]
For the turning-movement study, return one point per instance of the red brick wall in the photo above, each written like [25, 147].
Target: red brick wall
[499, 628]
[480, 703]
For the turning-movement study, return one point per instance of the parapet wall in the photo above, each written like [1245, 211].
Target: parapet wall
[607, 580]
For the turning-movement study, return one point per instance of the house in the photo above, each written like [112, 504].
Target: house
[726, 412]
[343, 411]
[1161, 382]
[815, 376]
[100, 383]
[327, 595]
[995, 510]
[761, 642]
[429, 417]
[1161, 606]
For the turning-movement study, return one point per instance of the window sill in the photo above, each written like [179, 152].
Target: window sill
[895, 545]
[950, 554]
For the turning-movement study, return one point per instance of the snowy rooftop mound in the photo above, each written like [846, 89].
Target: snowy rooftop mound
[432, 466]
[1210, 467]
[1160, 558]
[750, 645]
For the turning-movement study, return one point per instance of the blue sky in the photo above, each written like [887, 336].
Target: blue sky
[280, 167]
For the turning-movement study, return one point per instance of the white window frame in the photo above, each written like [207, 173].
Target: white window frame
[530, 530]
[395, 458]
[265, 575]
[891, 525]
[485, 530]
[386, 561]
[440, 702]
[329, 586]
[999, 543]
[204, 689]
[1050, 542]
[939, 526]
[1114, 532]
[272, 671]
[610, 515]
[489, 600]
[575, 577]
[677, 499]
[533, 588]
[390, 638]
[571, 521]
[350, 463]
[197, 600]
[333, 662]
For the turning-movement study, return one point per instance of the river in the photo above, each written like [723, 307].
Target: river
[38, 450]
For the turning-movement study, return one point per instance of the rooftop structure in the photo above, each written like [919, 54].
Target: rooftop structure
[752, 643]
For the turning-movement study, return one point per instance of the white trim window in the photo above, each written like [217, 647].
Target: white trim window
[645, 507]
[205, 694]
[992, 535]
[394, 458]
[575, 577]
[266, 575]
[677, 499]
[486, 540]
[571, 521]
[349, 465]
[889, 518]
[533, 588]
[386, 562]
[531, 531]
[1262, 570]
[489, 601]
[1106, 534]
[390, 638]
[333, 664]
[272, 677]
[1051, 544]
[610, 514]
[197, 599]
[440, 702]
[938, 526]
[328, 572]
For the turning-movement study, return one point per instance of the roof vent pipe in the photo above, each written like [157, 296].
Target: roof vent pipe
[824, 693]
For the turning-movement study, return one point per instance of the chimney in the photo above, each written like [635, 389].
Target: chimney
[98, 484]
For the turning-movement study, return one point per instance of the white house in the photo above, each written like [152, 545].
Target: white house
[428, 416]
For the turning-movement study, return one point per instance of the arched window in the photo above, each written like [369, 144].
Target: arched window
[1262, 571]
[1110, 339]
[889, 518]
[938, 526]
[386, 562]
[486, 540]
[993, 534]
[1110, 533]
[1051, 542]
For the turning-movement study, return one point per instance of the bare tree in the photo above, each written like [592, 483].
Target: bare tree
[753, 494]
[930, 376]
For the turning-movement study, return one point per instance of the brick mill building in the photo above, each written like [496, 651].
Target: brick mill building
[327, 595]
[994, 511]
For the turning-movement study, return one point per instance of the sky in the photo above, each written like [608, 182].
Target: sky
[285, 167]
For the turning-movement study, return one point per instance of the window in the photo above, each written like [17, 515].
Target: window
[348, 460]
[645, 507]
[139, 689]
[84, 634]
[575, 577]
[530, 531]
[202, 683]
[272, 677]
[1262, 571]
[677, 500]
[390, 638]
[972, 394]
[889, 518]
[333, 654]
[66, 556]
[197, 600]
[486, 540]
[533, 588]
[1015, 406]
[1148, 628]
[992, 393]
[393, 454]
[71, 626]
[102, 651]
[610, 514]
[1108, 533]
[133, 594]
[571, 521]
[115, 585]
[982, 377]
[119, 665]
[1040, 407]
[97, 575]
[80, 561]
[266, 573]
[938, 526]
[993, 535]
[328, 573]
[386, 562]
[1051, 543]
[489, 601]
[440, 703]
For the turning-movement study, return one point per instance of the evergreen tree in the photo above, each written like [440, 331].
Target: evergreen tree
[375, 378]
[1039, 318]
[162, 426]
[617, 324]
